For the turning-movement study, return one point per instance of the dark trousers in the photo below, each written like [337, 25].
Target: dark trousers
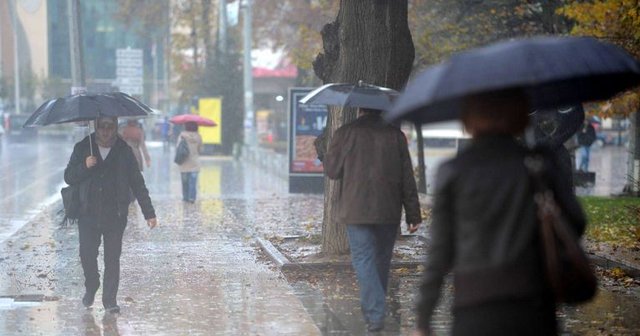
[532, 317]
[90, 239]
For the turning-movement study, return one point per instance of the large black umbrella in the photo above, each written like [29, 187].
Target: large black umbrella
[352, 95]
[551, 71]
[86, 107]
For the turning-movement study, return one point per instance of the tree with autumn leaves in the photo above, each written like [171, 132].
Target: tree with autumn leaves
[616, 21]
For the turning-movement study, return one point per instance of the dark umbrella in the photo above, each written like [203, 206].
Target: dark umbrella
[352, 95]
[185, 118]
[551, 71]
[87, 107]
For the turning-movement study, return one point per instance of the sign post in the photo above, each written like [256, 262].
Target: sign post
[306, 123]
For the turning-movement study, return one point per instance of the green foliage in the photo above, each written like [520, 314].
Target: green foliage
[613, 220]
[441, 28]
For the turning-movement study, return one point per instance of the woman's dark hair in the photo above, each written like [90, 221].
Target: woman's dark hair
[191, 127]
[505, 112]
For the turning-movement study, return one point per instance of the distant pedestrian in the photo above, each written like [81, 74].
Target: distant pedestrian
[485, 229]
[586, 137]
[133, 135]
[190, 168]
[371, 158]
[165, 132]
[104, 169]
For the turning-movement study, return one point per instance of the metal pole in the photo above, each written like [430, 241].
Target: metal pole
[249, 132]
[154, 54]
[75, 46]
[1, 65]
[77, 61]
[167, 61]
[16, 62]
[222, 43]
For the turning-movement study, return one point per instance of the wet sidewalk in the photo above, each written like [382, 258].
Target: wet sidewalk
[201, 273]
[198, 273]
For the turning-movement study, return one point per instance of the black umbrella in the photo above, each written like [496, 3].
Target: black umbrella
[555, 126]
[86, 107]
[551, 71]
[352, 95]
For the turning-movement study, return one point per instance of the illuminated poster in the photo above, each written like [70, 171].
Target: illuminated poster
[211, 108]
[306, 124]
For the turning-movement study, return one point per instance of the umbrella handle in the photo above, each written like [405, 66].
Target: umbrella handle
[90, 145]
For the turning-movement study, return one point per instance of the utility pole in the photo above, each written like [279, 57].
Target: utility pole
[222, 26]
[75, 46]
[167, 60]
[13, 6]
[249, 132]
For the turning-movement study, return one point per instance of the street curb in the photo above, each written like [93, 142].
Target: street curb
[285, 264]
[609, 263]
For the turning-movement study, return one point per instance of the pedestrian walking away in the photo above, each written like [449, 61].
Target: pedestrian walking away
[586, 137]
[133, 135]
[104, 169]
[485, 229]
[190, 168]
[371, 158]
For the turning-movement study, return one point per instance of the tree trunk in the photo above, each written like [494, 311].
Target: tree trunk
[369, 41]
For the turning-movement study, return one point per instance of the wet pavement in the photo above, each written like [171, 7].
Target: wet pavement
[200, 272]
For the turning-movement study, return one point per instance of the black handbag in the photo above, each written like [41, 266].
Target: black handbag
[71, 203]
[182, 152]
[566, 265]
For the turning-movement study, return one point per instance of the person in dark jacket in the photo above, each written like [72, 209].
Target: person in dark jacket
[485, 229]
[586, 137]
[372, 160]
[104, 169]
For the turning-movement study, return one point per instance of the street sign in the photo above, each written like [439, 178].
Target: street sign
[130, 71]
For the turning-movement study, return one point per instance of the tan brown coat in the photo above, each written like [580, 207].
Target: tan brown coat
[372, 159]
[194, 140]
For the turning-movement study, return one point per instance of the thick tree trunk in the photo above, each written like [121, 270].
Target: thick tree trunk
[370, 41]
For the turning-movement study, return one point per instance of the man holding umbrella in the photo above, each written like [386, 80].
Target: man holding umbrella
[371, 158]
[104, 169]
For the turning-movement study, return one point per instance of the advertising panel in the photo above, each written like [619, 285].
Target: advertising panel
[211, 108]
[306, 124]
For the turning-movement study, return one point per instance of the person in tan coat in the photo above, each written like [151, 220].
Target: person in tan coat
[371, 158]
[133, 135]
[190, 168]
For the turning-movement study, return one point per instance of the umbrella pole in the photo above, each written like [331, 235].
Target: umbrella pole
[90, 145]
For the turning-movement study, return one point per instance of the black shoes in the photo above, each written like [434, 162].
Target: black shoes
[375, 326]
[115, 309]
[88, 298]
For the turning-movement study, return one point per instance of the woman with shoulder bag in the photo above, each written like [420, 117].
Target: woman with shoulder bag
[190, 167]
[485, 228]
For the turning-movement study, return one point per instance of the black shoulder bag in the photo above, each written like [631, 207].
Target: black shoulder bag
[182, 152]
[566, 265]
[71, 202]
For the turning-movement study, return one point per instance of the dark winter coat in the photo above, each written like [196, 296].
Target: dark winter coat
[105, 188]
[372, 159]
[485, 228]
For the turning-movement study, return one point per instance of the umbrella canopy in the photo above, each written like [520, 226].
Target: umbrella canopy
[86, 107]
[185, 118]
[551, 71]
[352, 95]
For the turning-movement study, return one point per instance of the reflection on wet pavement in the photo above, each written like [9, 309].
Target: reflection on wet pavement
[199, 273]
